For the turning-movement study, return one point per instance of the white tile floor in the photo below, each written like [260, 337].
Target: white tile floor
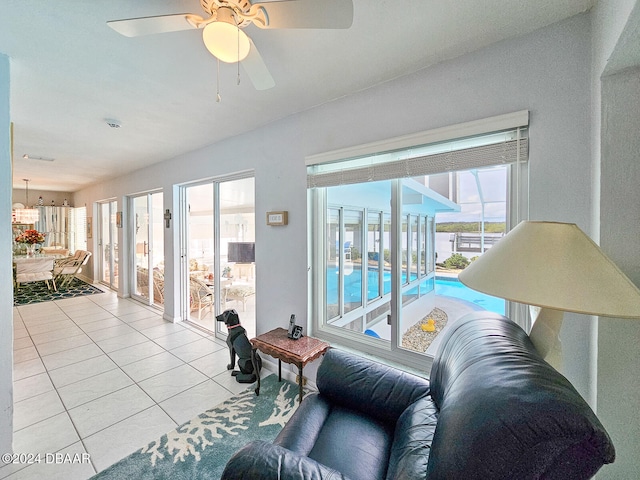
[103, 376]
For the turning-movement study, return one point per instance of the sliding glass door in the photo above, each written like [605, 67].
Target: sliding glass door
[237, 236]
[219, 251]
[108, 244]
[148, 249]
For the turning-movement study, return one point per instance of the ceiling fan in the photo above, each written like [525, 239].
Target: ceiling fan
[222, 29]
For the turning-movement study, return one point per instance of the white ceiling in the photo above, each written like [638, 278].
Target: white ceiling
[70, 72]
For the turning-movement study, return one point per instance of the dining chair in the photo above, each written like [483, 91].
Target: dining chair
[68, 268]
[35, 270]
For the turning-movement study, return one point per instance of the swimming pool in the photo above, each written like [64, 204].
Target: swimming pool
[450, 287]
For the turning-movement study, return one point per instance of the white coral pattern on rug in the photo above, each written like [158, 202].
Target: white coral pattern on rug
[193, 437]
[283, 408]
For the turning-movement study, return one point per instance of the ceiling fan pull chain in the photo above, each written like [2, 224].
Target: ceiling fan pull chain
[218, 97]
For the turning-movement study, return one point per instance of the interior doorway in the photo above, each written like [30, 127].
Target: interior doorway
[219, 267]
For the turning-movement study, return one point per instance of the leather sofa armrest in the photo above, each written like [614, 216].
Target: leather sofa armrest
[261, 460]
[301, 431]
[505, 413]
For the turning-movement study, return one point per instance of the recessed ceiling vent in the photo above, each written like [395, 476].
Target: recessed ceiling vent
[26, 156]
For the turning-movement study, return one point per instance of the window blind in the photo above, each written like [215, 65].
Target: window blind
[78, 237]
[487, 150]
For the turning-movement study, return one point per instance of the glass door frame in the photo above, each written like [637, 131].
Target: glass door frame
[107, 238]
[148, 249]
[216, 183]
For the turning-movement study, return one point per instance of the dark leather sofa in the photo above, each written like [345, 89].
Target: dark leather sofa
[493, 409]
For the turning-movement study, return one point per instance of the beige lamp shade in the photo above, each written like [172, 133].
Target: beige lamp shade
[557, 266]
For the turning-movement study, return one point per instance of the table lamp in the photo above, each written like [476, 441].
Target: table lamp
[554, 268]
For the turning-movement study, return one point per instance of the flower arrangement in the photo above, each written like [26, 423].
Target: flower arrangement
[31, 237]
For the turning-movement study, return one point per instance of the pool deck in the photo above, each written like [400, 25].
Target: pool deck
[449, 274]
[455, 309]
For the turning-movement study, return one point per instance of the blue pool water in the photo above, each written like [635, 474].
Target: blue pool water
[454, 288]
[449, 287]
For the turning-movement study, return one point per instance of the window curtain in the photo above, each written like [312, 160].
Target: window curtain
[55, 222]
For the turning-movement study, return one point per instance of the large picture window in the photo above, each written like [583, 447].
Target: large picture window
[393, 228]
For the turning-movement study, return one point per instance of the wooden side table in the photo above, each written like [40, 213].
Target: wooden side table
[297, 352]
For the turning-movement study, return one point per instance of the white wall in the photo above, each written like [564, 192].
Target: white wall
[616, 176]
[546, 72]
[6, 275]
[619, 340]
[20, 196]
[608, 21]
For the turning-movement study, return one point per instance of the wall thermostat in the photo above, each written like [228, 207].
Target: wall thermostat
[277, 218]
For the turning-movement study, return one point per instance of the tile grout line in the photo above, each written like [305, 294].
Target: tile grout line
[155, 403]
[66, 410]
[119, 367]
[81, 439]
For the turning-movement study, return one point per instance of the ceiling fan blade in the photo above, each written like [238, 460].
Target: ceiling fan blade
[256, 69]
[307, 14]
[135, 27]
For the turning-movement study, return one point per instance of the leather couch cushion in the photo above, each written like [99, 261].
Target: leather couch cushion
[301, 431]
[261, 460]
[340, 438]
[354, 444]
[412, 441]
[372, 388]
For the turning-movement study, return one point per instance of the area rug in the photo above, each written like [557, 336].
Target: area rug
[200, 448]
[36, 292]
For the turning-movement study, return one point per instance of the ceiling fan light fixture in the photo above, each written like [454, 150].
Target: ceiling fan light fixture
[226, 42]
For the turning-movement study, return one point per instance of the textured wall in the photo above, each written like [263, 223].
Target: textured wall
[618, 339]
[6, 275]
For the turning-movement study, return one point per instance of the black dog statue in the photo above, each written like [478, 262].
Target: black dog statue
[249, 361]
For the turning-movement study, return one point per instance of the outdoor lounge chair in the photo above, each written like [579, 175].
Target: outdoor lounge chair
[201, 296]
[158, 287]
[239, 293]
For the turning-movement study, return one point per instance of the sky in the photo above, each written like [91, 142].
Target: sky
[489, 185]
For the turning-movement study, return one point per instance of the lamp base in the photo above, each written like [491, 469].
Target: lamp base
[544, 334]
